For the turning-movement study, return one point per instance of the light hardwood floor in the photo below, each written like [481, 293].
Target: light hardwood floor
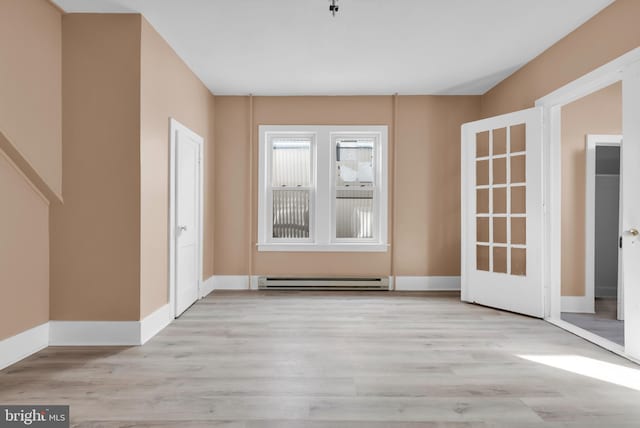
[301, 359]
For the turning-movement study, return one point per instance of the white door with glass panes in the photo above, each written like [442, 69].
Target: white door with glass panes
[502, 212]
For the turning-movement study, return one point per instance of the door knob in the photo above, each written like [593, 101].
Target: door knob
[633, 231]
[184, 229]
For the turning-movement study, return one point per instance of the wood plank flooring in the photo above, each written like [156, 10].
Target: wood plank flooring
[317, 360]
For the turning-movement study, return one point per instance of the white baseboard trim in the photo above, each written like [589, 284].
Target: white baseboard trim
[208, 285]
[578, 304]
[155, 322]
[83, 333]
[22, 345]
[427, 283]
[109, 333]
[233, 282]
[94, 333]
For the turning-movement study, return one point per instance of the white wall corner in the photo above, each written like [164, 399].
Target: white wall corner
[22, 345]
[155, 322]
[231, 282]
[427, 283]
[578, 304]
[208, 285]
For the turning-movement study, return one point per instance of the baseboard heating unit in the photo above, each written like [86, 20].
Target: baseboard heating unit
[346, 284]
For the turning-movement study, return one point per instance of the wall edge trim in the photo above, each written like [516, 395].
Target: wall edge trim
[427, 283]
[231, 282]
[22, 345]
[155, 322]
[109, 333]
[578, 304]
[206, 287]
[94, 333]
[27, 171]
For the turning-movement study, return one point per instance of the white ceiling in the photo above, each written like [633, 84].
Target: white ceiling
[295, 47]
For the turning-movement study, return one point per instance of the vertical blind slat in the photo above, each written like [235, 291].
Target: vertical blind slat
[354, 214]
[290, 213]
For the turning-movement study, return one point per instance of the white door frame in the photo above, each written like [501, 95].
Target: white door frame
[552, 103]
[174, 127]
[587, 303]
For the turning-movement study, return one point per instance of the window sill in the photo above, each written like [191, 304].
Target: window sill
[343, 247]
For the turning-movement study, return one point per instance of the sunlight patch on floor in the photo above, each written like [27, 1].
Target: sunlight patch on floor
[595, 369]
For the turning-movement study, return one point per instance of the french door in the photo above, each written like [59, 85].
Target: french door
[502, 212]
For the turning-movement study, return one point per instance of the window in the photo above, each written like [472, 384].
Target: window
[291, 188]
[353, 188]
[323, 188]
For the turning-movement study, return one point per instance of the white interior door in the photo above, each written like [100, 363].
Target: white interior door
[630, 208]
[187, 218]
[502, 212]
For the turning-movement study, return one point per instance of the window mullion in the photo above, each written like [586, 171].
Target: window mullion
[323, 187]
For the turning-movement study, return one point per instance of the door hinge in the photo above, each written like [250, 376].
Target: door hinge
[621, 242]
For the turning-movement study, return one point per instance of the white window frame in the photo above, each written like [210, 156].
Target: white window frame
[322, 197]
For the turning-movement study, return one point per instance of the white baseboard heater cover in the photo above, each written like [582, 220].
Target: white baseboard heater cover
[347, 284]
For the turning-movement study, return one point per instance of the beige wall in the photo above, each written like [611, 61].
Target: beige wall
[603, 38]
[95, 234]
[30, 85]
[168, 90]
[231, 170]
[428, 198]
[121, 84]
[598, 113]
[24, 252]
[30, 151]
[606, 36]
[428, 192]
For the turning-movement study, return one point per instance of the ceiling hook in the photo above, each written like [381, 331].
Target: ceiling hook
[333, 7]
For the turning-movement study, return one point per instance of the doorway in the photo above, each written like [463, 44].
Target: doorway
[624, 71]
[185, 217]
[602, 232]
[536, 285]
